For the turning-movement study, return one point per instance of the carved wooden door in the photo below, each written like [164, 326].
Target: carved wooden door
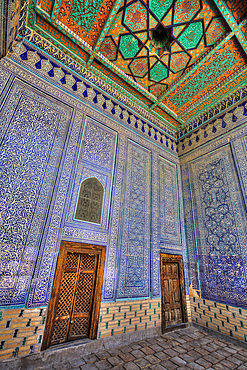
[171, 294]
[74, 303]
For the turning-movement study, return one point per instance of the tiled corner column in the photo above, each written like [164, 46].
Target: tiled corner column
[125, 316]
[21, 331]
[220, 317]
[188, 307]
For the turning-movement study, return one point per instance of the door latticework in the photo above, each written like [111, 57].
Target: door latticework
[72, 316]
[75, 303]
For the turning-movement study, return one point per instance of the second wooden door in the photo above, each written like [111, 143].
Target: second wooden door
[172, 288]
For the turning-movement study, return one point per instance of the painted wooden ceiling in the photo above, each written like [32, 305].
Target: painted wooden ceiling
[194, 27]
[204, 62]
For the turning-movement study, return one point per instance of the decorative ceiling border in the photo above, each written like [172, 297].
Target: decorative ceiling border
[92, 53]
[96, 78]
[193, 68]
[144, 110]
[43, 65]
[214, 128]
[217, 88]
[108, 63]
[141, 97]
[213, 112]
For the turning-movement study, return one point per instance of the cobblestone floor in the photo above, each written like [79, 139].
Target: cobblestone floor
[184, 349]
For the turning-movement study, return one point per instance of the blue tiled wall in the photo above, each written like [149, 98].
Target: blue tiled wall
[214, 189]
[134, 263]
[51, 142]
[34, 130]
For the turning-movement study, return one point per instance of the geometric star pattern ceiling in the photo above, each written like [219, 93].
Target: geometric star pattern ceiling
[194, 25]
[205, 60]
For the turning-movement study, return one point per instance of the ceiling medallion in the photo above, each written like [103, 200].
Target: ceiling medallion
[161, 40]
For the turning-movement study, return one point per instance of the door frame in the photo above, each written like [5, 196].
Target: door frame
[75, 247]
[177, 259]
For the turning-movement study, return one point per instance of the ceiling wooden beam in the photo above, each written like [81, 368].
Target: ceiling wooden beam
[193, 69]
[104, 31]
[232, 23]
[219, 88]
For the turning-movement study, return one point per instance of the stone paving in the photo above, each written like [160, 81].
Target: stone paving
[183, 349]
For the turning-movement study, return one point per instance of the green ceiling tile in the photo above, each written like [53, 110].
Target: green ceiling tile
[160, 7]
[158, 72]
[128, 46]
[136, 17]
[85, 14]
[191, 35]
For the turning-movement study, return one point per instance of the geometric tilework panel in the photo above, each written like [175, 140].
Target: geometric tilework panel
[169, 206]
[34, 131]
[192, 255]
[134, 262]
[220, 222]
[99, 144]
[96, 159]
[49, 248]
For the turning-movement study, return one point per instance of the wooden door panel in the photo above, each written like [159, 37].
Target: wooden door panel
[80, 322]
[176, 291]
[72, 317]
[64, 307]
[175, 269]
[76, 294]
[84, 293]
[166, 294]
[171, 292]
[72, 260]
[79, 328]
[60, 331]
[66, 294]
[168, 270]
[88, 262]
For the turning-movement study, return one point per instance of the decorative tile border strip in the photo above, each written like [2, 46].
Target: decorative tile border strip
[221, 107]
[214, 128]
[217, 89]
[34, 39]
[29, 56]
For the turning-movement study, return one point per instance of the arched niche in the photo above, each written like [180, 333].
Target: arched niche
[90, 201]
